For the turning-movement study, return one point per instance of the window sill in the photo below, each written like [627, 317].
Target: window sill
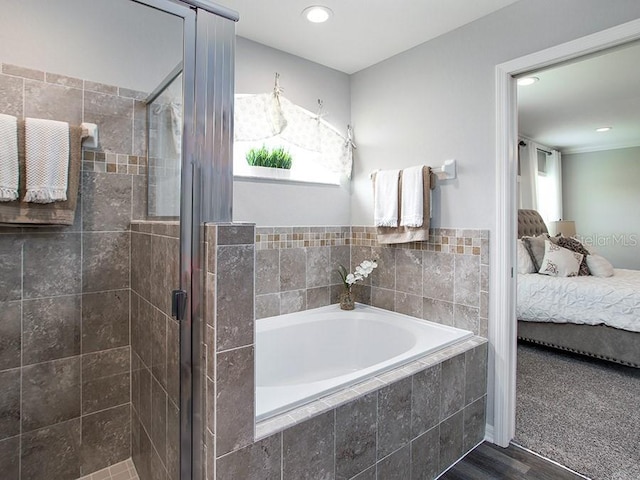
[279, 175]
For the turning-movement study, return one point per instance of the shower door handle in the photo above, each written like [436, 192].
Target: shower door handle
[178, 304]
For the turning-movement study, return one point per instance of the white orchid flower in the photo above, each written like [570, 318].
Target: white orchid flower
[367, 265]
[362, 271]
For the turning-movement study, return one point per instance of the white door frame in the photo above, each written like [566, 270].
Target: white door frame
[502, 324]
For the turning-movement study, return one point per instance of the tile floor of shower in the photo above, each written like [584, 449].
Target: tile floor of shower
[125, 470]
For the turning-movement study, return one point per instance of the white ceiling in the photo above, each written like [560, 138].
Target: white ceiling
[360, 33]
[570, 101]
[561, 111]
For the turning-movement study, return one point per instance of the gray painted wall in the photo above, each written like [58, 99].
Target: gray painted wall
[437, 101]
[116, 42]
[600, 191]
[304, 82]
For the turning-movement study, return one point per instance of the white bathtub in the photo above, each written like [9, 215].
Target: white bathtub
[303, 356]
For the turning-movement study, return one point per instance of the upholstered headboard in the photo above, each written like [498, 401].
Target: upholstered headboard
[530, 223]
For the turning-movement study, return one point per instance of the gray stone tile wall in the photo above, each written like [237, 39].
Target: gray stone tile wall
[445, 280]
[65, 297]
[296, 267]
[155, 250]
[229, 340]
[65, 313]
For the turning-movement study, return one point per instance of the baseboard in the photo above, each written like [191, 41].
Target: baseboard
[488, 433]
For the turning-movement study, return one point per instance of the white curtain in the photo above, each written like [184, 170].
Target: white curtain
[552, 188]
[541, 181]
[529, 175]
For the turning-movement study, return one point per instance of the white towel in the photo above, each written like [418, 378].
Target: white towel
[9, 166]
[47, 160]
[386, 198]
[412, 213]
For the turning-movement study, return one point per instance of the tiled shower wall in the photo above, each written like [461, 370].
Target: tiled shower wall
[65, 292]
[445, 280]
[155, 383]
[413, 427]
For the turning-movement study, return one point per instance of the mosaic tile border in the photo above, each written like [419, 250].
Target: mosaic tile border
[101, 162]
[447, 240]
[273, 238]
[278, 423]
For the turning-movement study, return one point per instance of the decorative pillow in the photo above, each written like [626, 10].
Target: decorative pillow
[575, 246]
[559, 261]
[535, 247]
[599, 266]
[525, 265]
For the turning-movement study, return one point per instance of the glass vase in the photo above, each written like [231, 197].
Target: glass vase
[347, 300]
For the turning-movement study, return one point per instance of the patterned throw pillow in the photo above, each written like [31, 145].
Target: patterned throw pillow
[575, 246]
[535, 247]
[559, 261]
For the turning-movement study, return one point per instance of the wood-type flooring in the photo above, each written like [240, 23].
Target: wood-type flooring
[491, 462]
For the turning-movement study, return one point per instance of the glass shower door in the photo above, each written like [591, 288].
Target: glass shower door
[161, 261]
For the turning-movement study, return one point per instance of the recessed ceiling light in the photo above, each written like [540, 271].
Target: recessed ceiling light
[603, 129]
[525, 81]
[317, 13]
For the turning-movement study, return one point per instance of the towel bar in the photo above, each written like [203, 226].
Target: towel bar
[446, 172]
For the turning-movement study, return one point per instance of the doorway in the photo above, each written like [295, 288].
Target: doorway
[502, 325]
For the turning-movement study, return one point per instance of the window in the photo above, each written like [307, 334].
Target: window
[320, 154]
[305, 165]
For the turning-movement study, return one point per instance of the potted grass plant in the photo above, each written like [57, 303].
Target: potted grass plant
[277, 160]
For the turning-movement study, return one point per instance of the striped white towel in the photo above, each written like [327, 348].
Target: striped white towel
[9, 166]
[47, 160]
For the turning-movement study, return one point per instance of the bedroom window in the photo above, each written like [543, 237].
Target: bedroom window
[540, 181]
[549, 185]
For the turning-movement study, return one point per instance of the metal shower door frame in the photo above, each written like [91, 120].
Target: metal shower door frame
[197, 152]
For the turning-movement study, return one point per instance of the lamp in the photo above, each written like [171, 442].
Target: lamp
[566, 227]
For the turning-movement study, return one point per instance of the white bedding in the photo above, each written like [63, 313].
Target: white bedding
[614, 301]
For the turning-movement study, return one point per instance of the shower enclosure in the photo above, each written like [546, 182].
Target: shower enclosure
[101, 335]
[164, 146]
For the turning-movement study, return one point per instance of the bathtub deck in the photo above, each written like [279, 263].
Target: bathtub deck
[298, 415]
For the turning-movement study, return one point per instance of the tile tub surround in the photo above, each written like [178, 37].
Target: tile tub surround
[155, 248]
[414, 422]
[229, 340]
[445, 280]
[65, 360]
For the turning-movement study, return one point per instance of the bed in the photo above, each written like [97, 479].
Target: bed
[594, 316]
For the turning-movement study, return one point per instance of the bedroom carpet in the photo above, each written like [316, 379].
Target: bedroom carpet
[582, 413]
